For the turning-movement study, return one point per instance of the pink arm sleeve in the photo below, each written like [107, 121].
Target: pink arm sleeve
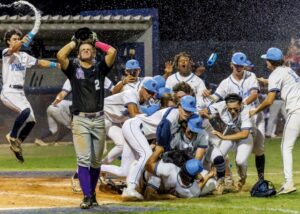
[102, 46]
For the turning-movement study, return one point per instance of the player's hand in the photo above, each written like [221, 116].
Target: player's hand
[128, 79]
[168, 68]
[204, 114]
[262, 80]
[25, 39]
[218, 134]
[252, 112]
[56, 101]
[206, 92]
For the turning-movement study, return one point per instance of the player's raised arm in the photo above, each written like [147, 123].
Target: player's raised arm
[63, 54]
[110, 52]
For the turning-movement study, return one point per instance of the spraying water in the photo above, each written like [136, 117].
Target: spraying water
[37, 17]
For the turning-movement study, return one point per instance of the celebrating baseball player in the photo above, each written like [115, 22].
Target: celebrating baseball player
[245, 84]
[15, 63]
[284, 80]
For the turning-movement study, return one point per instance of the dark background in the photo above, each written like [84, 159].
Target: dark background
[200, 20]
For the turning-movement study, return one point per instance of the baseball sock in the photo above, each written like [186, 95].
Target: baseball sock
[85, 180]
[26, 130]
[94, 174]
[220, 165]
[19, 122]
[260, 165]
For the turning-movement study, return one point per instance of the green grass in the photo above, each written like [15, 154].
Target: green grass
[63, 158]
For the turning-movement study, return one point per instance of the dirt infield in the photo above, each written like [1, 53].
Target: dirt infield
[44, 192]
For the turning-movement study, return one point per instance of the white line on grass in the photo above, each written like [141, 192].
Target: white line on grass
[281, 210]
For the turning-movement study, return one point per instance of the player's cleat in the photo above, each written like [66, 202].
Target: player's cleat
[219, 187]
[151, 194]
[18, 155]
[239, 185]
[286, 188]
[131, 195]
[15, 144]
[86, 203]
[39, 142]
[75, 183]
[94, 201]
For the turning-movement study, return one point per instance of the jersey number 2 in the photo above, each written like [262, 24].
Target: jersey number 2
[97, 85]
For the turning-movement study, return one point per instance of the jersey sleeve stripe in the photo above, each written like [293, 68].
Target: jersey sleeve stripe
[274, 90]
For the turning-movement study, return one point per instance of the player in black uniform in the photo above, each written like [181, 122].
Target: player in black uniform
[87, 81]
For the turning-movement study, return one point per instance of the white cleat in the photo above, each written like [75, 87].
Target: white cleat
[131, 195]
[39, 142]
[286, 188]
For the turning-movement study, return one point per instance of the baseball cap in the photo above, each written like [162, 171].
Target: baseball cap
[239, 58]
[132, 64]
[193, 167]
[249, 63]
[150, 85]
[188, 103]
[150, 109]
[273, 54]
[195, 123]
[163, 91]
[161, 82]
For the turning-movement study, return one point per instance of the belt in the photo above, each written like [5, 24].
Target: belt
[16, 86]
[90, 115]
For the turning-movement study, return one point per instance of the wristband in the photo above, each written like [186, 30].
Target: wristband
[52, 65]
[102, 46]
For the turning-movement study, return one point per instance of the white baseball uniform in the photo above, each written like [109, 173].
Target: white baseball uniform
[136, 132]
[13, 75]
[171, 182]
[116, 113]
[196, 84]
[242, 147]
[284, 80]
[244, 88]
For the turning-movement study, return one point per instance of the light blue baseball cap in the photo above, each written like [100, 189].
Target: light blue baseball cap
[249, 63]
[195, 123]
[162, 91]
[239, 58]
[150, 109]
[273, 54]
[193, 167]
[150, 85]
[161, 82]
[188, 103]
[132, 64]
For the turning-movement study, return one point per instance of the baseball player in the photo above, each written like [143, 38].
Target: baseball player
[15, 64]
[137, 130]
[245, 84]
[128, 157]
[132, 81]
[237, 134]
[88, 126]
[182, 63]
[284, 80]
[179, 181]
[59, 111]
[120, 107]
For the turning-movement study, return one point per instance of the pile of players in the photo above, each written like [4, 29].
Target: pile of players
[162, 126]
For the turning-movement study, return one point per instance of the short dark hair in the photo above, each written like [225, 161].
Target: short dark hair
[8, 34]
[276, 63]
[183, 86]
[231, 98]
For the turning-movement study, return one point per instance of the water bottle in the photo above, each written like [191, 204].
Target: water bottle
[212, 59]
[30, 38]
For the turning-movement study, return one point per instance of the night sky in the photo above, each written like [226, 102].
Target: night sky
[201, 20]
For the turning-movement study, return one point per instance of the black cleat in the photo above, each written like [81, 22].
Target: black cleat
[86, 203]
[18, 155]
[94, 201]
